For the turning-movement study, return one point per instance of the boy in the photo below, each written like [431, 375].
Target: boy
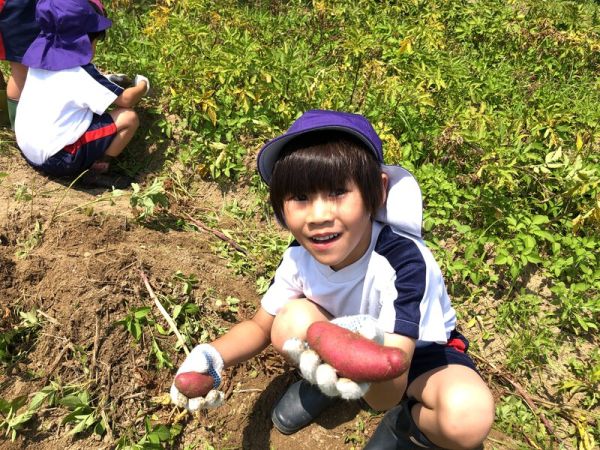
[18, 29]
[358, 260]
[62, 126]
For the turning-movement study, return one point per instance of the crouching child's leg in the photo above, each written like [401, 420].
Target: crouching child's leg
[302, 402]
[125, 122]
[448, 408]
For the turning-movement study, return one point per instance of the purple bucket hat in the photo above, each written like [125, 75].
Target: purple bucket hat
[63, 42]
[314, 120]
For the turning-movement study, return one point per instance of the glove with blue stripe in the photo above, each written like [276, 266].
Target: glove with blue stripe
[204, 358]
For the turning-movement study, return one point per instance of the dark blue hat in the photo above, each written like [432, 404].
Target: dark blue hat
[63, 42]
[314, 120]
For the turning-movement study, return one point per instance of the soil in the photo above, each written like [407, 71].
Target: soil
[83, 275]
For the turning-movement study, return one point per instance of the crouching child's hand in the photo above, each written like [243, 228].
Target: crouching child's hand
[196, 382]
[141, 78]
[325, 376]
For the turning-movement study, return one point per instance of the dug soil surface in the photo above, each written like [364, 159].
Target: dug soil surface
[78, 265]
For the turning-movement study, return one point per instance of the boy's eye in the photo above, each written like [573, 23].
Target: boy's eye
[338, 192]
[298, 197]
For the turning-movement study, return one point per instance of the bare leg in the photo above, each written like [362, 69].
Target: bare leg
[127, 122]
[16, 81]
[294, 319]
[455, 409]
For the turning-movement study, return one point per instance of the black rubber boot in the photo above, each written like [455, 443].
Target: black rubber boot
[397, 431]
[300, 405]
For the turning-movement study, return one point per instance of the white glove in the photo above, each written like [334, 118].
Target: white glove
[362, 324]
[120, 79]
[204, 358]
[138, 79]
[323, 374]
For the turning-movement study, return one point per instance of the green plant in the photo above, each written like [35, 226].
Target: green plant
[13, 420]
[136, 322]
[27, 245]
[156, 437]
[15, 341]
[147, 200]
[357, 437]
[83, 415]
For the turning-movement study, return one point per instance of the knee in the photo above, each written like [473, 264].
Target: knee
[467, 416]
[291, 321]
[127, 118]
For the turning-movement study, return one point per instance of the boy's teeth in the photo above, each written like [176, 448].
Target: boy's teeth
[324, 238]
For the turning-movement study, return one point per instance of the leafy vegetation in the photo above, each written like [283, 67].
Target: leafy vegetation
[495, 108]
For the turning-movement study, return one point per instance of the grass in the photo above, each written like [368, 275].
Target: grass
[494, 106]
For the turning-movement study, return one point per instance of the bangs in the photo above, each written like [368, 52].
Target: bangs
[313, 170]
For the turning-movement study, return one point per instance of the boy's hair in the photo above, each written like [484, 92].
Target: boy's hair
[100, 35]
[325, 161]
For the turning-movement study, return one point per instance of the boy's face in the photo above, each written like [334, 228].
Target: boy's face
[334, 227]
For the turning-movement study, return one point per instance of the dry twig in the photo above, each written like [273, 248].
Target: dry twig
[164, 312]
[217, 233]
[523, 394]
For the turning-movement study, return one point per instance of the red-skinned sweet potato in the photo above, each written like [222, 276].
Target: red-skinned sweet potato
[194, 384]
[354, 356]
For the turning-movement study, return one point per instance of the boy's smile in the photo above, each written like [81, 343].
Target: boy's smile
[334, 227]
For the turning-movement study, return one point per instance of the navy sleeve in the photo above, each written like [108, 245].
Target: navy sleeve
[411, 277]
[96, 75]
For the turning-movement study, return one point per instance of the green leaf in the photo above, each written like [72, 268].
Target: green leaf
[142, 312]
[539, 219]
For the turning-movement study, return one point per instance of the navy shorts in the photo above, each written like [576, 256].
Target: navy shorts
[434, 355]
[80, 155]
[18, 28]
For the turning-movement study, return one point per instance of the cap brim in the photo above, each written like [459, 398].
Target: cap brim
[42, 54]
[103, 23]
[269, 153]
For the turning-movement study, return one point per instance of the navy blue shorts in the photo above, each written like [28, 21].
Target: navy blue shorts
[18, 28]
[80, 155]
[436, 355]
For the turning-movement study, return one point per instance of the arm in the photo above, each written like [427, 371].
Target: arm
[386, 394]
[246, 339]
[132, 95]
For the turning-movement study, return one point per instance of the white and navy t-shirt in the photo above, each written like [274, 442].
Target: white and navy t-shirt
[56, 108]
[397, 280]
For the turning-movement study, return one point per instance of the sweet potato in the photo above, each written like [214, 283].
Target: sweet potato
[354, 356]
[194, 384]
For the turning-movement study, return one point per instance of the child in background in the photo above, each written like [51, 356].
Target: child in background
[63, 127]
[18, 29]
[358, 260]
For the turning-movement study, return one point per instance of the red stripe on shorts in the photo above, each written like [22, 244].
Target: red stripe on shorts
[457, 344]
[90, 136]
[2, 51]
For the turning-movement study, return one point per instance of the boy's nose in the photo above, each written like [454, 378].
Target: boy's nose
[321, 211]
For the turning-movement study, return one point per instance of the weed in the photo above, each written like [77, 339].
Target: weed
[34, 238]
[157, 436]
[16, 341]
[83, 414]
[144, 202]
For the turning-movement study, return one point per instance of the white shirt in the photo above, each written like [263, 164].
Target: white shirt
[56, 108]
